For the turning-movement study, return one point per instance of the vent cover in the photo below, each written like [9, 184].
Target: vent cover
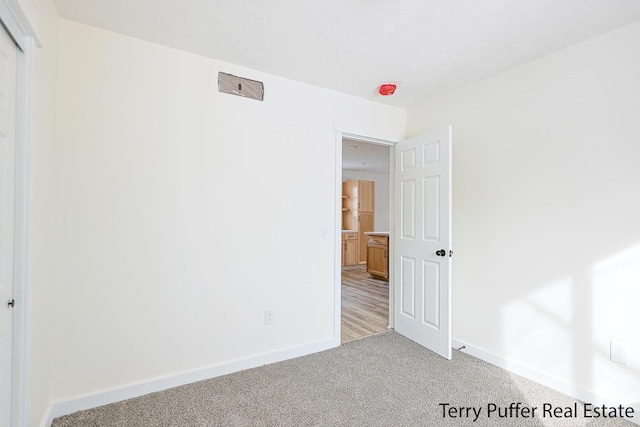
[234, 85]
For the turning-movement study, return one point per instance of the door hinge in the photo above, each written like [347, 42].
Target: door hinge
[450, 253]
[12, 303]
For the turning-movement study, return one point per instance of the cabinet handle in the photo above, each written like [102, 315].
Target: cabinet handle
[358, 205]
[345, 246]
[385, 253]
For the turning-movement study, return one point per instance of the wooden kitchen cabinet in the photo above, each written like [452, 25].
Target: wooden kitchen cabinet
[366, 196]
[378, 255]
[365, 224]
[350, 205]
[358, 212]
[349, 248]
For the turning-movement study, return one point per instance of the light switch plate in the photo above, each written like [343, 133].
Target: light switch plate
[269, 316]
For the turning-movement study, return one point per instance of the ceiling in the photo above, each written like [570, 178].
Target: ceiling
[427, 47]
[365, 157]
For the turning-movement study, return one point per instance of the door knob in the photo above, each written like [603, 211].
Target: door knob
[441, 252]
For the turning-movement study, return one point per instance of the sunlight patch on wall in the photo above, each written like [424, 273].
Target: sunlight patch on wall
[536, 328]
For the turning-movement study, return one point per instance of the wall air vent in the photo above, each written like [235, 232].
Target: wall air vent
[234, 85]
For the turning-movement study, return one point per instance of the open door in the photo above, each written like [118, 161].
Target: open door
[422, 240]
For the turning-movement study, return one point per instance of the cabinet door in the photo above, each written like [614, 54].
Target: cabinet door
[366, 196]
[377, 261]
[350, 252]
[365, 224]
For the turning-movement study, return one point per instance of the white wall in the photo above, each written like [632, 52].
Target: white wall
[381, 197]
[177, 214]
[546, 212]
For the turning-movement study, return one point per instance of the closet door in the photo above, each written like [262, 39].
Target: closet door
[8, 87]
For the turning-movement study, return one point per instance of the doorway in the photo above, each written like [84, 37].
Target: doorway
[420, 218]
[364, 228]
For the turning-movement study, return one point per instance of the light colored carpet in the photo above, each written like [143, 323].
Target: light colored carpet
[383, 380]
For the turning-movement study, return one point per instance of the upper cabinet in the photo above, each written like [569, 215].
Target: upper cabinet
[366, 195]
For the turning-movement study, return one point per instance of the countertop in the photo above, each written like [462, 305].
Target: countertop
[349, 231]
[376, 233]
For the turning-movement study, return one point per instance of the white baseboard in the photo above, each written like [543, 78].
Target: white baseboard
[48, 418]
[540, 378]
[105, 397]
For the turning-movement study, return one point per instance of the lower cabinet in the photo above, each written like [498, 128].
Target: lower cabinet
[378, 256]
[350, 248]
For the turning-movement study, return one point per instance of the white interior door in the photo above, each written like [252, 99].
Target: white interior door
[8, 64]
[422, 240]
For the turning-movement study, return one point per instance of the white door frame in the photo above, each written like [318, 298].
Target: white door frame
[22, 32]
[362, 136]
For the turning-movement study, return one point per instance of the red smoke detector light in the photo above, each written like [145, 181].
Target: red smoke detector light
[387, 89]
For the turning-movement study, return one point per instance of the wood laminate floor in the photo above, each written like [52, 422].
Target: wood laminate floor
[365, 304]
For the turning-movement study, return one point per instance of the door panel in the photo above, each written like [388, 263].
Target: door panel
[408, 287]
[430, 290]
[422, 276]
[431, 200]
[407, 209]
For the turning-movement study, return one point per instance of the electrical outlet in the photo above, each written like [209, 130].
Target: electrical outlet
[269, 317]
[618, 353]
